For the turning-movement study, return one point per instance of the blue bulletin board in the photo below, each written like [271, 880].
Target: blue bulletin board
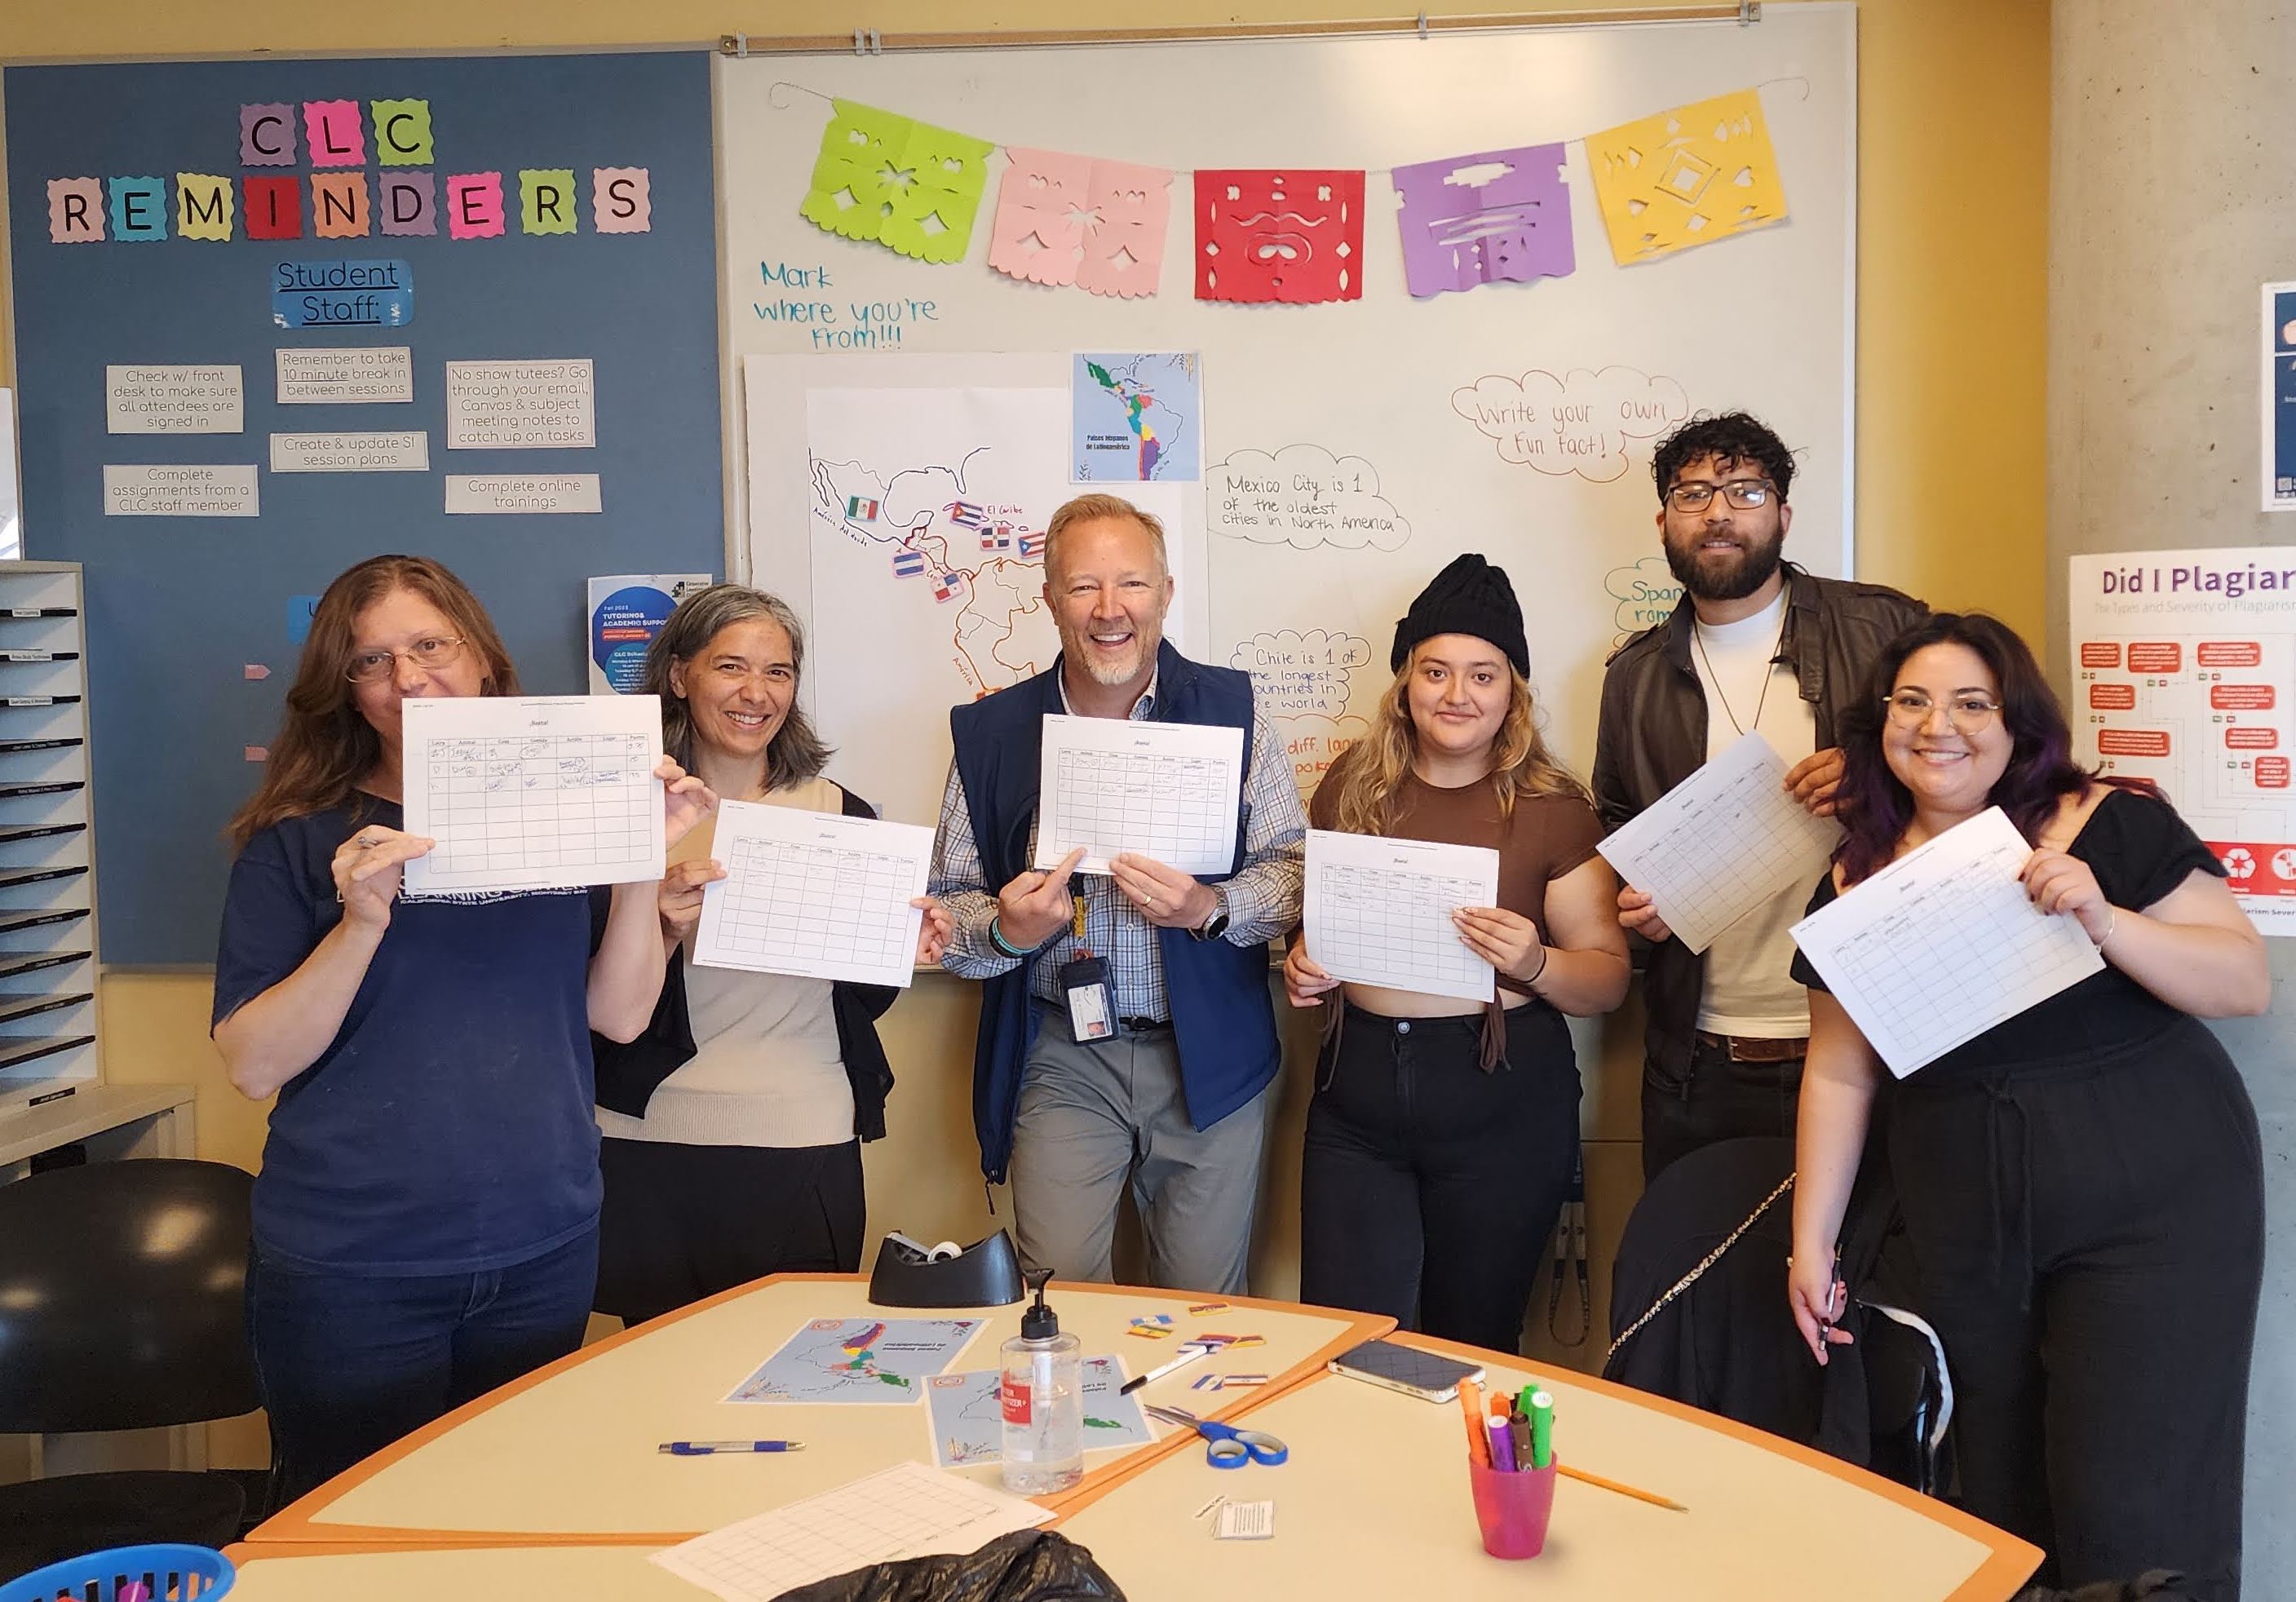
[551, 216]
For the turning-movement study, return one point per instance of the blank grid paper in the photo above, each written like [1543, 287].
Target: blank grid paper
[1721, 842]
[533, 792]
[906, 1511]
[1944, 943]
[1168, 791]
[814, 894]
[1378, 912]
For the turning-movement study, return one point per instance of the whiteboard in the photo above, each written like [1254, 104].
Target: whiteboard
[1367, 393]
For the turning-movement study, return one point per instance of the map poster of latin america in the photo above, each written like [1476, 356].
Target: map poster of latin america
[872, 1361]
[1136, 418]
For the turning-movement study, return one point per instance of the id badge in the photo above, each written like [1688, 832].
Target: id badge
[1092, 1000]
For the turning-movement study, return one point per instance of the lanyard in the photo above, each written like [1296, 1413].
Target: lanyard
[1075, 922]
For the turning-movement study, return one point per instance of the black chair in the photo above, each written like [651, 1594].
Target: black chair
[122, 1306]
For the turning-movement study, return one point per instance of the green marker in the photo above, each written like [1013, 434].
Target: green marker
[1542, 1429]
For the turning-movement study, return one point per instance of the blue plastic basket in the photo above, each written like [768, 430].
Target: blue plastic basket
[170, 1573]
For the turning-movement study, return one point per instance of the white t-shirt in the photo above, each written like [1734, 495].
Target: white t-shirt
[1749, 988]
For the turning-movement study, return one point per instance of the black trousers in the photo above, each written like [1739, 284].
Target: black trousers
[682, 1222]
[1428, 1188]
[1719, 1100]
[2090, 1237]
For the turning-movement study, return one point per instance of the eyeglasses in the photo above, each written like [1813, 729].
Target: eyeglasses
[1744, 494]
[1910, 708]
[429, 654]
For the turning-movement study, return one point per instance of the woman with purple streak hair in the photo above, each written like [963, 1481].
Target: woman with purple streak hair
[2082, 1183]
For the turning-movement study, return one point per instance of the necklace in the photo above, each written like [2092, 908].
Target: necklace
[1698, 638]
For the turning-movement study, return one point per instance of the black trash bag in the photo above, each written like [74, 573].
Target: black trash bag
[1028, 1565]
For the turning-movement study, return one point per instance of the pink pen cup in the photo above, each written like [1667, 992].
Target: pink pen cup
[1513, 1509]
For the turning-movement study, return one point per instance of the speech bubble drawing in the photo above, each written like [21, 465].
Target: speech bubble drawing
[1647, 594]
[1579, 422]
[1302, 496]
[1294, 674]
[1315, 743]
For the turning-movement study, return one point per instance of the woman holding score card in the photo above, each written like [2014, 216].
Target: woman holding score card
[426, 1218]
[733, 1126]
[2082, 1183]
[1440, 1142]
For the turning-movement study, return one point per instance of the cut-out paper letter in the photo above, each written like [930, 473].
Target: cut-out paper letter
[74, 210]
[266, 135]
[1688, 177]
[274, 208]
[203, 206]
[1500, 214]
[621, 200]
[545, 200]
[475, 205]
[402, 132]
[139, 209]
[1288, 237]
[338, 205]
[331, 128]
[407, 202]
[911, 186]
[1070, 219]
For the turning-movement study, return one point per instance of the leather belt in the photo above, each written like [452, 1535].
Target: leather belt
[1749, 1048]
[1141, 1026]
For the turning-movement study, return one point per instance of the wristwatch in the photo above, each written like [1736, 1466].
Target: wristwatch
[1215, 925]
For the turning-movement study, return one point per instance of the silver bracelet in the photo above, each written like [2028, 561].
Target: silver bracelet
[2111, 924]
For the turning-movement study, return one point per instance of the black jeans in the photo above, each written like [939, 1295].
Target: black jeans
[682, 1222]
[1428, 1188]
[1721, 1100]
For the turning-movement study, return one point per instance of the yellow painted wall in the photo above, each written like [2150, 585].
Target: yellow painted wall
[1952, 237]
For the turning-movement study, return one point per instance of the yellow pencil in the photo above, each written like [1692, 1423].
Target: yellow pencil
[1600, 1483]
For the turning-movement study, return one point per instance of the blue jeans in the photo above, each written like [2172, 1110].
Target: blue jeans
[350, 1362]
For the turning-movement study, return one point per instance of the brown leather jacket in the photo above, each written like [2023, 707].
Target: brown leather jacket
[1652, 736]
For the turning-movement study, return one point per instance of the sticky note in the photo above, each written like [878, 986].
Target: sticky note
[203, 206]
[331, 128]
[254, 753]
[475, 205]
[266, 135]
[407, 202]
[1291, 236]
[299, 609]
[909, 185]
[74, 210]
[545, 200]
[1063, 219]
[139, 209]
[338, 208]
[254, 671]
[1480, 218]
[621, 200]
[1688, 177]
[402, 132]
[274, 208]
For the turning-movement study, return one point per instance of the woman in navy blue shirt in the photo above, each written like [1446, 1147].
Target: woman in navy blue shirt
[426, 1216]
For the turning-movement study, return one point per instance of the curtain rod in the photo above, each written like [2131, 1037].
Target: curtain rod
[869, 41]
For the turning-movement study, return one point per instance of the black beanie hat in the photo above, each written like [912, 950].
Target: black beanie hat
[1470, 596]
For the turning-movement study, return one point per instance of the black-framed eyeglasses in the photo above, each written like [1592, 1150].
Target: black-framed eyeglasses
[430, 653]
[1745, 494]
[1910, 708]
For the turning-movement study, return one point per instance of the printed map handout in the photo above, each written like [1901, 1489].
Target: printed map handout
[876, 1362]
[968, 1423]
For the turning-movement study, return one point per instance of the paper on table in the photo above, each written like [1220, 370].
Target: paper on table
[905, 1511]
[968, 1421]
[533, 792]
[1944, 943]
[1378, 912]
[814, 894]
[1168, 791]
[1721, 842]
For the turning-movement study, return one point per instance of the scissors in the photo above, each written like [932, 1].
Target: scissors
[1227, 1447]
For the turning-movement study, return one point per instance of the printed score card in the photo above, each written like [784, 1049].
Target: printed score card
[1944, 943]
[814, 894]
[533, 792]
[1721, 842]
[1378, 912]
[1168, 791]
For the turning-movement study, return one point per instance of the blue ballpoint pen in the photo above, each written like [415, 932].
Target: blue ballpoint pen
[710, 1448]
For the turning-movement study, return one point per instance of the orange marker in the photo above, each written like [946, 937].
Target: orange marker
[1478, 1441]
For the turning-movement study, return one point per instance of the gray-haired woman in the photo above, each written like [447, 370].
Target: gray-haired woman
[733, 1126]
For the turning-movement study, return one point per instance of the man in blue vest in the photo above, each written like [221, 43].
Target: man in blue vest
[1175, 1099]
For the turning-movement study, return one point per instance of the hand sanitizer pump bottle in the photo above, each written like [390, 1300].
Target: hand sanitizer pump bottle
[1043, 1397]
